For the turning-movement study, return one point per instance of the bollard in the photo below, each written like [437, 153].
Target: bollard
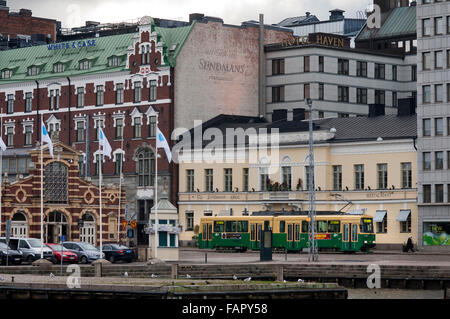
[98, 270]
[280, 273]
[174, 274]
[206, 257]
[285, 254]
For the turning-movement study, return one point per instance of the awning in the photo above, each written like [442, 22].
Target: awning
[379, 216]
[403, 216]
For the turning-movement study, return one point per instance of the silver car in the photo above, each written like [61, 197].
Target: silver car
[86, 252]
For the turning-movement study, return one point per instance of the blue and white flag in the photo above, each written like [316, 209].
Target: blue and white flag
[2, 145]
[103, 141]
[45, 138]
[161, 142]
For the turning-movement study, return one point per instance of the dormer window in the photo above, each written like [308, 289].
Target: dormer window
[114, 61]
[59, 68]
[85, 65]
[34, 70]
[6, 74]
[145, 53]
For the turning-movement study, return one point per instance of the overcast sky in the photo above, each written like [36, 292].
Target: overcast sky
[73, 13]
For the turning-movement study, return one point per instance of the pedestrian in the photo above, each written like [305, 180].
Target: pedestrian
[409, 245]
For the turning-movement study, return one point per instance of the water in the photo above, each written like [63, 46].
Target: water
[394, 294]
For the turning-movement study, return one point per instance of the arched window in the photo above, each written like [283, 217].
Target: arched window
[56, 183]
[146, 167]
[19, 225]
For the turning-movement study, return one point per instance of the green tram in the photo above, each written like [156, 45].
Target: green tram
[334, 231]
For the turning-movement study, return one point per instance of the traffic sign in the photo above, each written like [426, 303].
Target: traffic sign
[124, 224]
[133, 224]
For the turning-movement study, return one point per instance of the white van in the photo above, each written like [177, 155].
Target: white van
[30, 248]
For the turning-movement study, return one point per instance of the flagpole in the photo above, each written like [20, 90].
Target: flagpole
[42, 198]
[1, 170]
[120, 191]
[156, 196]
[100, 197]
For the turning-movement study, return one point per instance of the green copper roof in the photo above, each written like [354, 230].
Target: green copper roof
[401, 21]
[71, 53]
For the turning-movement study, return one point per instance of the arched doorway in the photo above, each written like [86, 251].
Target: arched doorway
[56, 225]
[87, 231]
[19, 225]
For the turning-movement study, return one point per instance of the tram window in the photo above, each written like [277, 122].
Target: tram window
[253, 232]
[282, 226]
[266, 225]
[242, 226]
[230, 226]
[289, 231]
[345, 232]
[219, 226]
[305, 226]
[322, 226]
[297, 232]
[333, 226]
[355, 233]
[366, 225]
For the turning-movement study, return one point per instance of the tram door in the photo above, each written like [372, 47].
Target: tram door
[255, 235]
[350, 236]
[293, 236]
[207, 235]
[345, 237]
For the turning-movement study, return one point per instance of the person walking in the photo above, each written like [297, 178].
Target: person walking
[409, 245]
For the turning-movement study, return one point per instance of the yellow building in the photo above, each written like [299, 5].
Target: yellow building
[361, 164]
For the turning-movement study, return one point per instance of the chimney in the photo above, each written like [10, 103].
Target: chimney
[308, 14]
[2, 3]
[376, 110]
[336, 15]
[195, 16]
[25, 12]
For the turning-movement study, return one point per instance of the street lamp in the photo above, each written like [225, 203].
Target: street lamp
[313, 249]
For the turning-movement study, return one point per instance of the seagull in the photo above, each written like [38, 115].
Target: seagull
[2, 279]
[154, 276]
[248, 279]
[284, 281]
[125, 274]
[188, 276]
[235, 277]
[52, 275]
[300, 280]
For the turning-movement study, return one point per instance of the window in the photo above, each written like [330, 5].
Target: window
[439, 193]
[379, 71]
[245, 177]
[10, 109]
[189, 220]
[439, 126]
[394, 73]
[426, 161]
[100, 95]
[426, 94]
[286, 180]
[321, 91]
[448, 24]
[361, 69]
[190, 180]
[405, 226]
[427, 193]
[85, 65]
[152, 95]
[56, 181]
[448, 58]
[343, 66]
[439, 93]
[277, 94]
[322, 226]
[33, 71]
[380, 97]
[406, 175]
[277, 66]
[439, 25]
[337, 177]
[228, 180]
[118, 163]
[119, 128]
[307, 178]
[334, 226]
[137, 127]
[321, 64]
[209, 180]
[114, 61]
[98, 123]
[137, 92]
[361, 96]
[394, 99]
[263, 178]
[306, 91]
[80, 97]
[359, 177]
[382, 226]
[10, 136]
[119, 93]
[306, 63]
[414, 73]
[80, 131]
[54, 99]
[146, 168]
[343, 94]
[28, 134]
[426, 127]
[6, 74]
[448, 93]
[427, 27]
[426, 61]
[382, 171]
[439, 160]
[59, 68]
[152, 126]
[439, 59]
[28, 102]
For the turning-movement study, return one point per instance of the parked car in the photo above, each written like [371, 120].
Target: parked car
[115, 252]
[86, 252]
[67, 255]
[30, 248]
[14, 256]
